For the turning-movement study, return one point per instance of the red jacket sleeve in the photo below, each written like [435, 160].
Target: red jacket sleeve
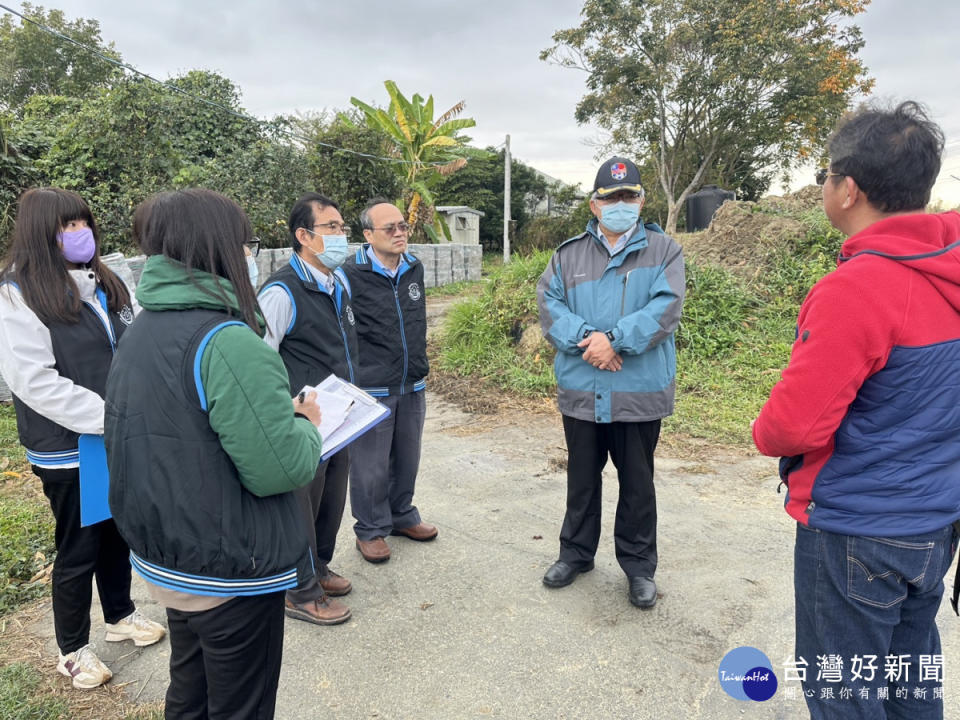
[844, 334]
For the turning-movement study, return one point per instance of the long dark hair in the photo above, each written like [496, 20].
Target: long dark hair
[36, 264]
[203, 230]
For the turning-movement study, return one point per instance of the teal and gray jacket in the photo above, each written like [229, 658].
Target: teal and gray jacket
[637, 295]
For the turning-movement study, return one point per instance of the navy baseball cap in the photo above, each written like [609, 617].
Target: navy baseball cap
[617, 173]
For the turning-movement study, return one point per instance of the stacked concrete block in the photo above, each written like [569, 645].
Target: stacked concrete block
[444, 262]
[264, 263]
[427, 255]
[473, 261]
[278, 258]
[135, 264]
[457, 269]
[117, 263]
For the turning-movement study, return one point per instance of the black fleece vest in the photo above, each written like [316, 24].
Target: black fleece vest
[174, 492]
[83, 351]
[391, 326]
[323, 335]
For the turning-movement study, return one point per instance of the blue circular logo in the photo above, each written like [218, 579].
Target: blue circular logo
[746, 674]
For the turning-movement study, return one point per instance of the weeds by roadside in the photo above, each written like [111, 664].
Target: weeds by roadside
[734, 338]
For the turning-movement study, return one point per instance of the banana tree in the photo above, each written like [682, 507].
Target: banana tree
[428, 148]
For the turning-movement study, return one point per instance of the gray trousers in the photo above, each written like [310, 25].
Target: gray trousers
[321, 506]
[384, 468]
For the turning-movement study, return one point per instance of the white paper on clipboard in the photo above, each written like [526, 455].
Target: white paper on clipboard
[346, 413]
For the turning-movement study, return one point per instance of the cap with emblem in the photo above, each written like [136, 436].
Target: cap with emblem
[617, 173]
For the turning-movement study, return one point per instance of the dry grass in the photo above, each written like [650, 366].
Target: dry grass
[19, 644]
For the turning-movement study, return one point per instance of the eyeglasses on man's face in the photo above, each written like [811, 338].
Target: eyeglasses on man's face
[627, 196]
[253, 245]
[393, 228]
[333, 228]
[824, 173]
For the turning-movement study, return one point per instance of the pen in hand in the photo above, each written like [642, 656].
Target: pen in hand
[306, 404]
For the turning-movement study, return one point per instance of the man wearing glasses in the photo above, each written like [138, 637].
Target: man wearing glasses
[310, 321]
[390, 307]
[866, 422]
[610, 301]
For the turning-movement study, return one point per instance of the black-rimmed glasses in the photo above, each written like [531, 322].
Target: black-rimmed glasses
[253, 246]
[626, 196]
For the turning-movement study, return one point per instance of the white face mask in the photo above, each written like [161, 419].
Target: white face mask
[253, 271]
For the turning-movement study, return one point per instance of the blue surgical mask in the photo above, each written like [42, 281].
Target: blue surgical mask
[253, 271]
[334, 251]
[620, 216]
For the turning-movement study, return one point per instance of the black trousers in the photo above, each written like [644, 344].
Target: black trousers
[630, 445]
[321, 506]
[83, 554]
[225, 662]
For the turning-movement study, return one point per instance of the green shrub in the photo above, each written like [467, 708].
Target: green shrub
[715, 309]
[480, 334]
[734, 337]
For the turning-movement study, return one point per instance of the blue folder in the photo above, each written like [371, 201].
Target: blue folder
[94, 480]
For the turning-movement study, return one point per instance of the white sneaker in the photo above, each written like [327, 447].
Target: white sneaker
[137, 627]
[85, 668]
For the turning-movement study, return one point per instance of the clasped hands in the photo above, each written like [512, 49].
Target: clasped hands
[598, 352]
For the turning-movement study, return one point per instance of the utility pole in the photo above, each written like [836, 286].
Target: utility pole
[506, 202]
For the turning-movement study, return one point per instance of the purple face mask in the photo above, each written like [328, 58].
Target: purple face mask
[78, 246]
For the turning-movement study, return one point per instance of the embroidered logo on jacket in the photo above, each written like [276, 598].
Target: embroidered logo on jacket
[126, 315]
[349, 313]
[414, 291]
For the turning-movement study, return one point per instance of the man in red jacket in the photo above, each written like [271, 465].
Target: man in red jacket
[866, 421]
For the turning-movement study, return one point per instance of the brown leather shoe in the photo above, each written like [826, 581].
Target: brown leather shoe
[421, 532]
[334, 584]
[375, 551]
[324, 611]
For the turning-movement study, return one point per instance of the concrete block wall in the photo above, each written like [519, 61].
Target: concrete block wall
[442, 265]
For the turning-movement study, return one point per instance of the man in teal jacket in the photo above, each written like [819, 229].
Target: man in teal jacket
[610, 301]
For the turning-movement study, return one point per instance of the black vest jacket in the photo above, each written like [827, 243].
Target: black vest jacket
[391, 325]
[83, 351]
[174, 492]
[322, 338]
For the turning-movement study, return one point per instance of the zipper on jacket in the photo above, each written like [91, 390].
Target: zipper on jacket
[343, 334]
[403, 336]
[106, 326]
[623, 294]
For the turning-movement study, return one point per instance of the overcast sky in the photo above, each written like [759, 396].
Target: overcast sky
[298, 56]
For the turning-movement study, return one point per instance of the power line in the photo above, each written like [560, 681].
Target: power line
[211, 103]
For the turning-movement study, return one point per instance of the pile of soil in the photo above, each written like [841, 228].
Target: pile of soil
[743, 234]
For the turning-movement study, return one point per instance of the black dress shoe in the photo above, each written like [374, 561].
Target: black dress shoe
[643, 591]
[562, 574]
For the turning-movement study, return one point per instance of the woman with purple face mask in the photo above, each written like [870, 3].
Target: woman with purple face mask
[62, 312]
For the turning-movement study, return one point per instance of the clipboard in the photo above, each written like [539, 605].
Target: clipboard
[94, 480]
[364, 413]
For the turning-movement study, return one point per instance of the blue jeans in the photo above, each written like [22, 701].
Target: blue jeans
[870, 596]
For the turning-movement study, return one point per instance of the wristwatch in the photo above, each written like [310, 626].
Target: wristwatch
[609, 334]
